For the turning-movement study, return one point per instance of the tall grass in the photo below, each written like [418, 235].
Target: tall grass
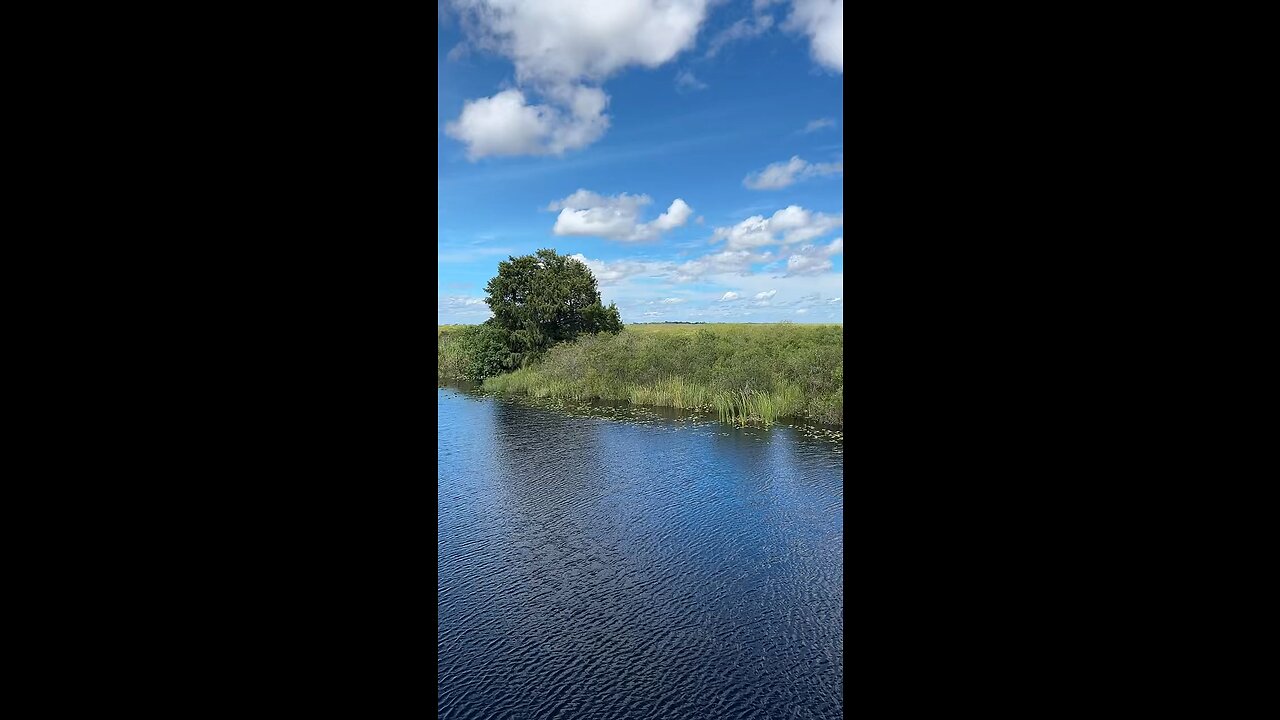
[451, 355]
[745, 373]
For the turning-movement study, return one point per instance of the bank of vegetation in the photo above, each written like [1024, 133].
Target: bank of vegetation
[550, 336]
[743, 372]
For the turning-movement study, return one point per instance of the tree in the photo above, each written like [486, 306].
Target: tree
[546, 298]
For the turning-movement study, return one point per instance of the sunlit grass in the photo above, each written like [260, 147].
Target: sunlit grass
[743, 372]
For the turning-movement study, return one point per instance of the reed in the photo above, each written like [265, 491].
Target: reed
[744, 373]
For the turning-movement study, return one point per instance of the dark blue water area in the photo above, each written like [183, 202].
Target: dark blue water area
[614, 562]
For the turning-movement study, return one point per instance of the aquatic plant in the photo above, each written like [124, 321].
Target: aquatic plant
[745, 373]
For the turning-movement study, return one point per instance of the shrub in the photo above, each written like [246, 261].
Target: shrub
[472, 352]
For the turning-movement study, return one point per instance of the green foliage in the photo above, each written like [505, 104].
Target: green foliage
[472, 352]
[598, 318]
[744, 372]
[546, 298]
[537, 301]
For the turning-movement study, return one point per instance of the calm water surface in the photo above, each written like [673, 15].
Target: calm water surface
[603, 563]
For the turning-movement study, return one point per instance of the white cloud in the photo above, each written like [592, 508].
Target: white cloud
[616, 271]
[506, 124]
[791, 224]
[584, 124]
[672, 301]
[752, 232]
[462, 308]
[818, 125]
[802, 311]
[781, 174]
[823, 22]
[743, 29]
[614, 217]
[797, 224]
[833, 301]
[811, 260]
[700, 220]
[564, 41]
[792, 292]
[728, 261]
[585, 198]
[686, 81]
[586, 213]
[675, 216]
[563, 50]
[500, 125]
[726, 284]
[726, 287]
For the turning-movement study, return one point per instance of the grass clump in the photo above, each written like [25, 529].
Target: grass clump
[745, 373]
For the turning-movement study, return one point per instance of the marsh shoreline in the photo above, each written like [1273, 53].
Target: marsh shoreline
[742, 373]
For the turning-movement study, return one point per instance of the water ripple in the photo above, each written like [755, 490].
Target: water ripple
[618, 563]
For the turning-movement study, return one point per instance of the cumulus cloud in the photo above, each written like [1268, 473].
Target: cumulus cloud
[750, 233]
[568, 40]
[729, 296]
[811, 259]
[616, 271]
[506, 124]
[818, 124]
[615, 217]
[675, 216]
[728, 261]
[586, 213]
[791, 224]
[500, 125]
[781, 174]
[823, 22]
[685, 81]
[671, 301]
[563, 50]
[766, 295]
[802, 311]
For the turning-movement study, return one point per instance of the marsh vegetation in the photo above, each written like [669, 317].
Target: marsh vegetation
[550, 336]
[745, 373]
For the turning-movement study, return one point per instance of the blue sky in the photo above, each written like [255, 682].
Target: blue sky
[690, 152]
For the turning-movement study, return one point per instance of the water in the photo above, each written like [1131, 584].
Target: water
[608, 563]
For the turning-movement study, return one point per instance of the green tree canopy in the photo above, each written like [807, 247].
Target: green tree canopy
[544, 299]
